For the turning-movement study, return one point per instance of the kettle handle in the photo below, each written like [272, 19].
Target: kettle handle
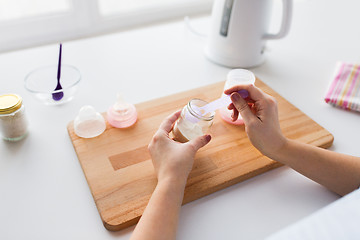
[286, 20]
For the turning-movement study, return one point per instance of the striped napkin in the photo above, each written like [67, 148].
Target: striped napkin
[344, 90]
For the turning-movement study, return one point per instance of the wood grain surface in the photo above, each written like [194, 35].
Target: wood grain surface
[118, 168]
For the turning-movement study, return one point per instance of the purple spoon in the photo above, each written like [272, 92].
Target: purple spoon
[58, 95]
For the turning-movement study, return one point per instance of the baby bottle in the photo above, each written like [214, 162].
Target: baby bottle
[235, 77]
[192, 122]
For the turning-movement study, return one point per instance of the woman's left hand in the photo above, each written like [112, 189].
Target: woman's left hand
[173, 160]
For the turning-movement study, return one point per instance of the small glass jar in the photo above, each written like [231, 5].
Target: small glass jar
[192, 123]
[13, 123]
[233, 78]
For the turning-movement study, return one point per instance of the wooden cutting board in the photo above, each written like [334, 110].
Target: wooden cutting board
[118, 168]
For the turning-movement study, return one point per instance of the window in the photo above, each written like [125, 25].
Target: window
[114, 7]
[25, 23]
[12, 10]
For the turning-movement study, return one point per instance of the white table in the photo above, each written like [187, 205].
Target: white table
[43, 191]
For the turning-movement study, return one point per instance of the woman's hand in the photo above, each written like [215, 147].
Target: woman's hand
[338, 172]
[173, 160]
[260, 114]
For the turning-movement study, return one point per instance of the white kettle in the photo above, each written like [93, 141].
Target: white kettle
[240, 29]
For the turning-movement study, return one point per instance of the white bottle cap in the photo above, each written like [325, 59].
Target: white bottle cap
[89, 123]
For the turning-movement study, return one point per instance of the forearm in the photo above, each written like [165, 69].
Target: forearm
[160, 218]
[338, 172]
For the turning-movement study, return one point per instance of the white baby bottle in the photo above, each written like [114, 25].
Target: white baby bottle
[235, 77]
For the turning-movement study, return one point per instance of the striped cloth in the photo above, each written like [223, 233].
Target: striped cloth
[344, 90]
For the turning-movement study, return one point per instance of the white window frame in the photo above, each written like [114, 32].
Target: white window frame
[84, 20]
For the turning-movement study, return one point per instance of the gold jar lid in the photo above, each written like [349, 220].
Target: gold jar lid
[9, 103]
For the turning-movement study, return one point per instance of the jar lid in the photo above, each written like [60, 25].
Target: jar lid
[9, 103]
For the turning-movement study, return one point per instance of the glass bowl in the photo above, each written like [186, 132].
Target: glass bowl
[42, 83]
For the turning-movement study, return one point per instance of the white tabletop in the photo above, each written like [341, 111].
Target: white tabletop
[43, 191]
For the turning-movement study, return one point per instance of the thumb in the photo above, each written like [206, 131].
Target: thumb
[199, 142]
[242, 106]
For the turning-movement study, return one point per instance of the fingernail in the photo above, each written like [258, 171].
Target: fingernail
[243, 93]
[208, 138]
[235, 96]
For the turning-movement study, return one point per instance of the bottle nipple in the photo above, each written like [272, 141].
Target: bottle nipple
[121, 114]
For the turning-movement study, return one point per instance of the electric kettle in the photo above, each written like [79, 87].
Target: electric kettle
[239, 31]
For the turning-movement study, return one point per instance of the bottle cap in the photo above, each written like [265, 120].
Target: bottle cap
[121, 114]
[9, 103]
[89, 123]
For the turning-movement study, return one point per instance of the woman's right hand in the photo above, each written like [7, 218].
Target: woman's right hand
[260, 114]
